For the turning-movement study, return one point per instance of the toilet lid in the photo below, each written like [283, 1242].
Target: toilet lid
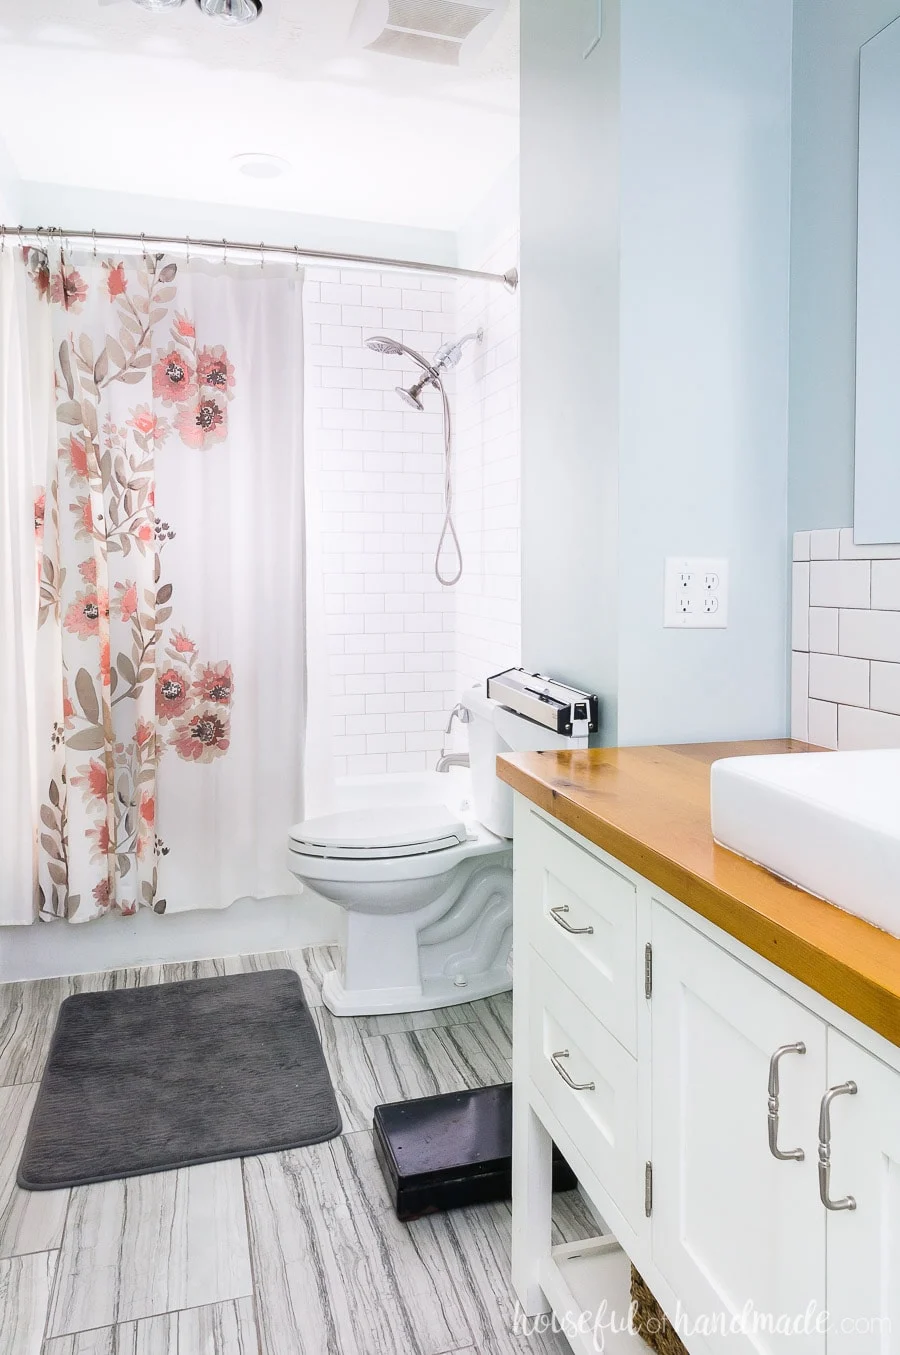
[401, 830]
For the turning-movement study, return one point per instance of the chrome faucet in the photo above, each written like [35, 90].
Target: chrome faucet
[448, 760]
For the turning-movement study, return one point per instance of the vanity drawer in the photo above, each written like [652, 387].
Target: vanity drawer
[581, 916]
[567, 1045]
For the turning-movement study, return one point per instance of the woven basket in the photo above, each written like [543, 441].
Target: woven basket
[651, 1322]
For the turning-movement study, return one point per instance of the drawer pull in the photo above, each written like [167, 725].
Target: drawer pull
[576, 1086]
[783, 1154]
[848, 1202]
[556, 914]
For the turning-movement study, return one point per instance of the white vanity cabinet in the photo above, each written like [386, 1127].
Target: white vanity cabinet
[732, 1225]
[863, 1244]
[685, 1080]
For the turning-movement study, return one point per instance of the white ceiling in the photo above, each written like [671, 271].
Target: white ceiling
[115, 97]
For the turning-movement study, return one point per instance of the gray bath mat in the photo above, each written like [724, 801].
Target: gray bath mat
[147, 1079]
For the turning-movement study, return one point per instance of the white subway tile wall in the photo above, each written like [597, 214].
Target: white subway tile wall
[401, 646]
[845, 671]
[488, 606]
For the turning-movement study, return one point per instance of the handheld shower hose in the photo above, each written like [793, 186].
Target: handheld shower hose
[447, 356]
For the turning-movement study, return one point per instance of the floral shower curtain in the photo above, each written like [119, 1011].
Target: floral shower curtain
[155, 709]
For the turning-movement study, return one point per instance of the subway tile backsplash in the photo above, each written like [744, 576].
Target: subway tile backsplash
[845, 628]
[401, 647]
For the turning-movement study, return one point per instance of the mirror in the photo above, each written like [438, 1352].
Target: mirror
[876, 512]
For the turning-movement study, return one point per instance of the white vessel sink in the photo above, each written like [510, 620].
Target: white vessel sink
[828, 822]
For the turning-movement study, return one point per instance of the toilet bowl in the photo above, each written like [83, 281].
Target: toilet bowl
[425, 889]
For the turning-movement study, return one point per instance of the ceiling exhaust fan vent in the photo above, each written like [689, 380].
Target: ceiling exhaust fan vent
[439, 31]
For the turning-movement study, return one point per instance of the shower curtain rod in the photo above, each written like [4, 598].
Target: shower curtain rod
[510, 278]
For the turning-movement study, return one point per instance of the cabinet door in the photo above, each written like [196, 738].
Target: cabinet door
[733, 1227]
[863, 1243]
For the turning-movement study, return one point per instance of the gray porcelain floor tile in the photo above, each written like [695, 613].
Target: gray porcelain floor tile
[312, 964]
[30, 1221]
[25, 1285]
[474, 1246]
[572, 1220]
[218, 1329]
[335, 1270]
[352, 1070]
[397, 1023]
[493, 1013]
[27, 1017]
[151, 1245]
[427, 1062]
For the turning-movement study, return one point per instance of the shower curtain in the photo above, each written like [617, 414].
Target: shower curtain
[152, 681]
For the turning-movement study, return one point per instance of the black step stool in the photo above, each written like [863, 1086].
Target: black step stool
[443, 1152]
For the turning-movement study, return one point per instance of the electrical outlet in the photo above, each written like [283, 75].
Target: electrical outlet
[696, 593]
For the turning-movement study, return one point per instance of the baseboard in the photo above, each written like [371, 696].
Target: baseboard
[52, 949]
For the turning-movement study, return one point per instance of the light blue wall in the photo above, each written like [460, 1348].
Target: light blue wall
[655, 252]
[705, 226]
[827, 37]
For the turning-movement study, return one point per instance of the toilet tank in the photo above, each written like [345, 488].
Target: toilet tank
[492, 729]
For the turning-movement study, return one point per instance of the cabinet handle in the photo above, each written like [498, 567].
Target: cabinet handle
[788, 1154]
[848, 1202]
[576, 1086]
[556, 913]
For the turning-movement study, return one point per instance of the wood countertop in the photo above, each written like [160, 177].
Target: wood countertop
[649, 808]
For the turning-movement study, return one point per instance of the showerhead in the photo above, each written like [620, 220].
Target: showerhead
[410, 397]
[380, 343]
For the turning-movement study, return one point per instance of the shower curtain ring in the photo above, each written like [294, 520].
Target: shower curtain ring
[187, 241]
[296, 259]
[262, 256]
[224, 252]
[94, 240]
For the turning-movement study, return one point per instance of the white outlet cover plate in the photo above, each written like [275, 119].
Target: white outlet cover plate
[696, 595]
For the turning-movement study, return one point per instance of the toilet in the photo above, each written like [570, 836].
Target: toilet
[426, 889]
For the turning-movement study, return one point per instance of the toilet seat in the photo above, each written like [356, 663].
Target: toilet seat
[379, 834]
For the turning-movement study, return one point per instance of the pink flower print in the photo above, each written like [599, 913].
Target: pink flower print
[144, 733]
[151, 425]
[94, 779]
[68, 708]
[174, 378]
[148, 809]
[83, 615]
[215, 683]
[185, 327]
[115, 280]
[88, 570]
[172, 694]
[68, 289]
[214, 369]
[204, 737]
[202, 424]
[181, 643]
[84, 526]
[98, 837]
[127, 603]
[145, 532]
[77, 453]
[100, 894]
[40, 506]
[104, 661]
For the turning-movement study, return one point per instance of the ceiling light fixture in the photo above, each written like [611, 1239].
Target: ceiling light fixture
[232, 11]
[260, 165]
